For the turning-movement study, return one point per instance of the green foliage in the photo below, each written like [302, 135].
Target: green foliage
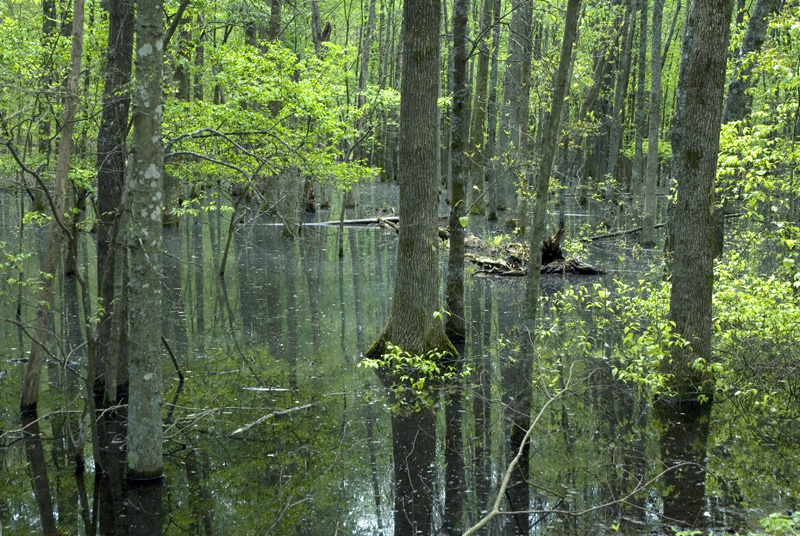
[422, 375]
[779, 524]
[281, 112]
[11, 272]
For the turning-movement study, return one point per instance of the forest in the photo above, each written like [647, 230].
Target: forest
[372, 267]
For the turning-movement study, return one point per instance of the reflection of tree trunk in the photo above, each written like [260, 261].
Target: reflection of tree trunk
[290, 289]
[414, 450]
[199, 494]
[144, 509]
[174, 313]
[454, 478]
[481, 401]
[355, 261]
[312, 263]
[199, 282]
[34, 450]
[110, 488]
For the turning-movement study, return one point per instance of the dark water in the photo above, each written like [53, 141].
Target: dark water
[277, 430]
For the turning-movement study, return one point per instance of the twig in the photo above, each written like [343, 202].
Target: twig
[174, 359]
[270, 416]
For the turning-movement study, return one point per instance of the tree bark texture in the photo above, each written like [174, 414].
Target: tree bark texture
[455, 322]
[513, 135]
[144, 249]
[412, 325]
[695, 147]
[111, 156]
[33, 372]
[737, 102]
[648, 236]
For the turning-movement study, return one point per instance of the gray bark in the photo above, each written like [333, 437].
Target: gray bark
[144, 249]
[648, 236]
[411, 324]
[513, 135]
[111, 156]
[695, 148]
[33, 372]
[737, 102]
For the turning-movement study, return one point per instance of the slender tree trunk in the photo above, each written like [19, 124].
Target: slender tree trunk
[637, 179]
[477, 170]
[513, 136]
[621, 92]
[737, 102]
[492, 171]
[111, 157]
[648, 235]
[30, 392]
[144, 249]
[695, 147]
[455, 325]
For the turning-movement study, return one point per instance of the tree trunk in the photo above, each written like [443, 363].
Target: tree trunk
[737, 102]
[492, 171]
[455, 326]
[637, 178]
[518, 491]
[412, 325]
[695, 148]
[111, 157]
[621, 92]
[513, 136]
[144, 249]
[648, 236]
[30, 392]
[477, 137]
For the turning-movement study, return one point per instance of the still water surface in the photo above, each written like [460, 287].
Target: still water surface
[277, 430]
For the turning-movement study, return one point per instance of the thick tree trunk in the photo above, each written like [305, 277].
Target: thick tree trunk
[144, 249]
[695, 148]
[412, 325]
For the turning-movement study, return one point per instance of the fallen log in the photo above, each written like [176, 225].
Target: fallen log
[363, 221]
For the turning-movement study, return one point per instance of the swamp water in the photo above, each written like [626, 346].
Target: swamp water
[277, 430]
